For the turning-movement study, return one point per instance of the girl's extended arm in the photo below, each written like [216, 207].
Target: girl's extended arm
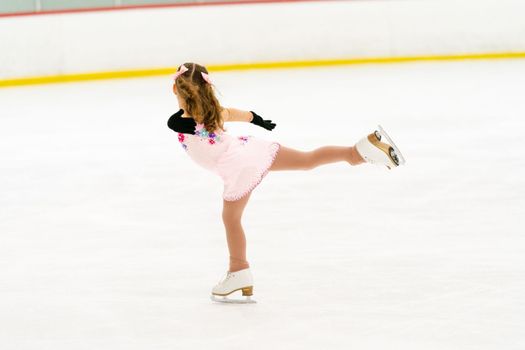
[233, 114]
[237, 115]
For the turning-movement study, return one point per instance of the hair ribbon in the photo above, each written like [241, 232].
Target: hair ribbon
[206, 77]
[181, 71]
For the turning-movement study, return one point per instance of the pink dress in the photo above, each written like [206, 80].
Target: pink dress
[241, 161]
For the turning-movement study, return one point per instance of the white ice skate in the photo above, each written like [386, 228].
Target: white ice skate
[376, 152]
[234, 281]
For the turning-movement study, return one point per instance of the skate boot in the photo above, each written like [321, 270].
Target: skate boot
[233, 281]
[376, 152]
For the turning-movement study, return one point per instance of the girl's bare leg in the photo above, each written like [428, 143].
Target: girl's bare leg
[291, 159]
[287, 159]
[231, 216]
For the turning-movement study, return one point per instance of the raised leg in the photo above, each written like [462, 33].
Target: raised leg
[292, 159]
[231, 216]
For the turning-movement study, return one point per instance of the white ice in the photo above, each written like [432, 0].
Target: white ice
[111, 237]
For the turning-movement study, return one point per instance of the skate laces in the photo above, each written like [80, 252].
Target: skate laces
[225, 277]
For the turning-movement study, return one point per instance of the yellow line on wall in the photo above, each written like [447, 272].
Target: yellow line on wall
[246, 66]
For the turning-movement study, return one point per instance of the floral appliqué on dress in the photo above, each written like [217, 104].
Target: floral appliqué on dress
[181, 140]
[201, 131]
[244, 139]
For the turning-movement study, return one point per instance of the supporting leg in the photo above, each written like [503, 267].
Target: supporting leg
[231, 216]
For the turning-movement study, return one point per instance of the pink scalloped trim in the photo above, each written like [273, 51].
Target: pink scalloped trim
[261, 175]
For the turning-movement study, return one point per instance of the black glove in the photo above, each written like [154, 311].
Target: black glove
[257, 120]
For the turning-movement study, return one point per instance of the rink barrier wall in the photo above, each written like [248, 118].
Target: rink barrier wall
[148, 6]
[237, 67]
[128, 44]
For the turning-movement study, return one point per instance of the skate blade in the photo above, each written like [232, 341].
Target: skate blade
[226, 300]
[391, 142]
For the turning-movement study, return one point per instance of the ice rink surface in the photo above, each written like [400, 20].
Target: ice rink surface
[111, 237]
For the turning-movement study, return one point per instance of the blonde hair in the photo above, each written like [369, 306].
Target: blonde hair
[199, 98]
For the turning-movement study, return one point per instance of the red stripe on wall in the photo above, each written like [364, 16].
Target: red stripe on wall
[135, 7]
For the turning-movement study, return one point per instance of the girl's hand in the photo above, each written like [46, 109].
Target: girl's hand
[257, 120]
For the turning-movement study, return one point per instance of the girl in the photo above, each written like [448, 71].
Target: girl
[242, 162]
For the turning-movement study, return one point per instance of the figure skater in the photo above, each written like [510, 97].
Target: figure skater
[243, 161]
